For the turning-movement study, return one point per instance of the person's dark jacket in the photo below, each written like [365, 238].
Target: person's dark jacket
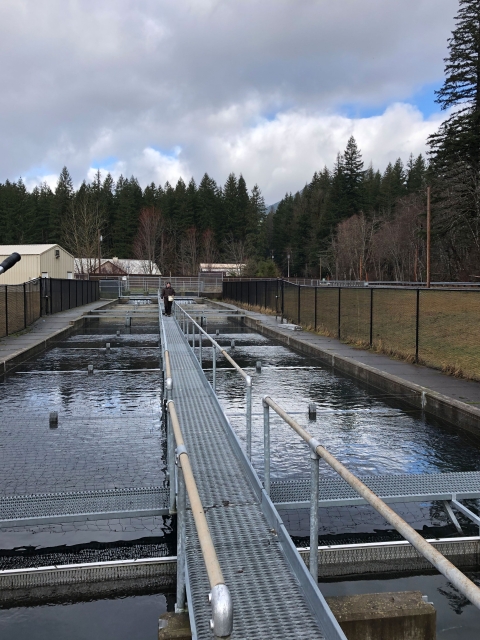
[167, 291]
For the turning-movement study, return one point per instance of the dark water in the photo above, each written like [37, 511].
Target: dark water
[133, 618]
[457, 618]
[370, 433]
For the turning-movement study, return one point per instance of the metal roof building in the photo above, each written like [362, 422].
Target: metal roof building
[38, 260]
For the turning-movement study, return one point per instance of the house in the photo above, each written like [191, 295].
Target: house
[225, 269]
[115, 267]
[38, 261]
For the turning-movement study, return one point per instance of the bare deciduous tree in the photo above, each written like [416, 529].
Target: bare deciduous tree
[145, 246]
[82, 226]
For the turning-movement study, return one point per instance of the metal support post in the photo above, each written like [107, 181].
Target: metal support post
[181, 535]
[200, 341]
[314, 463]
[371, 316]
[170, 452]
[214, 366]
[248, 382]
[266, 446]
[417, 322]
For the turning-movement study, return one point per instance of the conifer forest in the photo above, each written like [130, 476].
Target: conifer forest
[350, 221]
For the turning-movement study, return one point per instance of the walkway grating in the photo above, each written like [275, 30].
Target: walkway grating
[334, 491]
[42, 508]
[268, 600]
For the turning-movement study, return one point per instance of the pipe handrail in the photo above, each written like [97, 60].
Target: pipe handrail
[220, 599]
[444, 566]
[244, 374]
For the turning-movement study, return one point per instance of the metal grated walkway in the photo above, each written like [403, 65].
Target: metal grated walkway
[334, 491]
[268, 601]
[42, 508]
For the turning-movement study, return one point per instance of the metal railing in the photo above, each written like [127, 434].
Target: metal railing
[185, 320]
[182, 481]
[444, 566]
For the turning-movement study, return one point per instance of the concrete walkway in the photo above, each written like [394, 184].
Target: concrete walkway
[18, 347]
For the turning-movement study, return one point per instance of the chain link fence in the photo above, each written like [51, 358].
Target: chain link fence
[22, 304]
[436, 327]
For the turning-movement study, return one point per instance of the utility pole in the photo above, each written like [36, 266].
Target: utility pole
[429, 220]
[99, 259]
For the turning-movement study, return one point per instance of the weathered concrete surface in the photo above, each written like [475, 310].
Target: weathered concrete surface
[174, 626]
[385, 616]
[15, 349]
[454, 400]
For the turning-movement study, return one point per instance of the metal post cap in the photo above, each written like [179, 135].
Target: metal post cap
[222, 611]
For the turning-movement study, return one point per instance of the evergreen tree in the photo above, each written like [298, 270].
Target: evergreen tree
[393, 186]
[455, 148]
[458, 139]
[416, 174]
[226, 225]
[60, 205]
[352, 178]
[208, 202]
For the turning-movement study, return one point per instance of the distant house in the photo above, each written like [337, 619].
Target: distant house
[225, 269]
[38, 261]
[115, 267]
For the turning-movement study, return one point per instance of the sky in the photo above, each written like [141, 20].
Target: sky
[271, 89]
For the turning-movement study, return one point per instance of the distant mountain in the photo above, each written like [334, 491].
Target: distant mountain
[273, 206]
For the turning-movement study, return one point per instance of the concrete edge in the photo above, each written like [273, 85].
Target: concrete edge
[460, 414]
[42, 344]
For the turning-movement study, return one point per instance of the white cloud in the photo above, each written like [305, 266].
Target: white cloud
[251, 86]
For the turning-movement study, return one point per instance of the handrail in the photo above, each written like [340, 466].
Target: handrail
[444, 566]
[227, 356]
[220, 599]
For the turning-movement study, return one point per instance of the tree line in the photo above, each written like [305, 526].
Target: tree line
[175, 227]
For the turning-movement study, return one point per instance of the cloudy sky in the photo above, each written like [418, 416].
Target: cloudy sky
[167, 88]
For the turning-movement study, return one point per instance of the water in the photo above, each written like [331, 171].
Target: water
[457, 618]
[110, 435]
[129, 618]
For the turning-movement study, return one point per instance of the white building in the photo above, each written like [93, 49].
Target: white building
[38, 261]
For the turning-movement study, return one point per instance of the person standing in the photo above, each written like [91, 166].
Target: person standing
[167, 296]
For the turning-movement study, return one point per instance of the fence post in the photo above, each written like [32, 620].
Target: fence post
[6, 309]
[256, 293]
[371, 316]
[25, 305]
[283, 298]
[417, 314]
[339, 311]
[298, 304]
[315, 311]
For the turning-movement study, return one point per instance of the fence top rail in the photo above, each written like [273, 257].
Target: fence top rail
[226, 355]
[346, 284]
[444, 566]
